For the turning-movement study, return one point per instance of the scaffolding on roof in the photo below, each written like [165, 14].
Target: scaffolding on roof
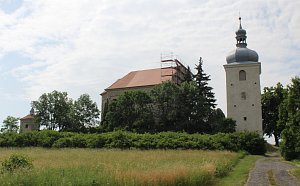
[178, 69]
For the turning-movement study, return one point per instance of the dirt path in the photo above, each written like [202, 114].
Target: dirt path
[271, 171]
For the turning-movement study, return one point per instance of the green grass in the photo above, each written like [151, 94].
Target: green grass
[239, 174]
[296, 172]
[120, 167]
[271, 178]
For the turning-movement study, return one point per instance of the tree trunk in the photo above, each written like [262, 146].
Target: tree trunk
[276, 139]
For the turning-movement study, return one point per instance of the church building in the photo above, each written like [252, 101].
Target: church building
[243, 85]
[144, 80]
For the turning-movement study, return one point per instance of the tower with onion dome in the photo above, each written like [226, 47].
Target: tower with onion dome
[243, 85]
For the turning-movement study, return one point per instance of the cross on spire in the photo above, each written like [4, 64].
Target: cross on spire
[240, 22]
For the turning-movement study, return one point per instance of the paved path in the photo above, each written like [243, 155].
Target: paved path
[259, 177]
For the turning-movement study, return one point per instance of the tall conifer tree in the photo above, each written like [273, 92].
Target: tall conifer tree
[204, 89]
[205, 100]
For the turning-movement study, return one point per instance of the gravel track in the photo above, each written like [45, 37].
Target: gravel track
[259, 177]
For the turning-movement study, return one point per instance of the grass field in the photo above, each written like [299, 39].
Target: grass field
[119, 167]
[239, 174]
[296, 171]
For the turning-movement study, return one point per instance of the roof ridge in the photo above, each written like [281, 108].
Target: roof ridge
[142, 78]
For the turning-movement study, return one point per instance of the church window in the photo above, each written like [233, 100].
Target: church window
[245, 118]
[243, 95]
[242, 75]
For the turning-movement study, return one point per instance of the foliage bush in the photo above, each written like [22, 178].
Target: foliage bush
[8, 139]
[242, 141]
[290, 145]
[95, 141]
[118, 139]
[63, 143]
[26, 139]
[16, 162]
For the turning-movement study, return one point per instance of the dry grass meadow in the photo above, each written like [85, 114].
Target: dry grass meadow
[119, 167]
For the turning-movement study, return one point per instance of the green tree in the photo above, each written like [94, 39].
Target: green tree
[10, 124]
[227, 126]
[218, 122]
[290, 146]
[131, 111]
[105, 110]
[188, 76]
[53, 110]
[271, 100]
[85, 112]
[205, 101]
[186, 103]
[165, 105]
[204, 89]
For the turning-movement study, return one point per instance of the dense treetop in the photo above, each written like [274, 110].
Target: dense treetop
[281, 116]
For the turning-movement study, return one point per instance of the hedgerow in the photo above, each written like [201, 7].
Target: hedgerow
[242, 141]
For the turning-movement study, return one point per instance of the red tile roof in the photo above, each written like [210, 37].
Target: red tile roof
[28, 117]
[144, 78]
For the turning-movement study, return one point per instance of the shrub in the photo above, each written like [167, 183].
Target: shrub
[251, 142]
[80, 140]
[118, 139]
[75, 140]
[95, 141]
[46, 138]
[144, 141]
[8, 139]
[242, 141]
[63, 143]
[290, 145]
[16, 162]
[26, 139]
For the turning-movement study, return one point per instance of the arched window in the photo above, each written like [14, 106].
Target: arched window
[242, 75]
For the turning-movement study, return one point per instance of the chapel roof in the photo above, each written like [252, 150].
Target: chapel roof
[28, 117]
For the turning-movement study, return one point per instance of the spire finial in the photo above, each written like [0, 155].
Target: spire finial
[241, 35]
[32, 111]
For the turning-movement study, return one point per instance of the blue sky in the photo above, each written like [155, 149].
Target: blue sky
[84, 46]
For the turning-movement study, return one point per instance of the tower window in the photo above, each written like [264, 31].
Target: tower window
[242, 75]
[243, 95]
[245, 118]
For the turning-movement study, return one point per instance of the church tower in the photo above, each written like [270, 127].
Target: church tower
[243, 85]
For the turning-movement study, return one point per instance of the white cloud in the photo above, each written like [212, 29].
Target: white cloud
[84, 46]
